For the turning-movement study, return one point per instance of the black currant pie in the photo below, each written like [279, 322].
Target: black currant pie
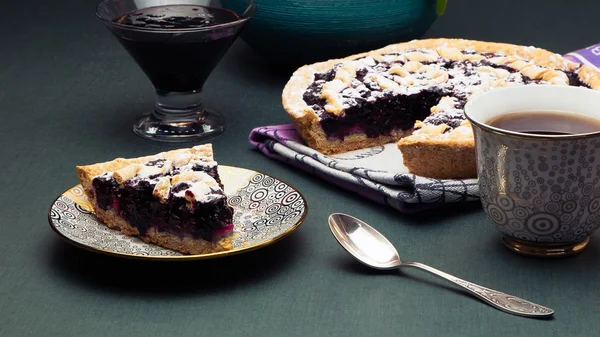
[413, 93]
[174, 199]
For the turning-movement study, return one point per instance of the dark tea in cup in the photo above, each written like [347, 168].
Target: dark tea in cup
[550, 123]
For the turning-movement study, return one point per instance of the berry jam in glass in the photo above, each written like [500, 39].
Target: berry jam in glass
[179, 65]
[177, 45]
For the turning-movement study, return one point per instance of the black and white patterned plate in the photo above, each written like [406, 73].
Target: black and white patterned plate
[265, 210]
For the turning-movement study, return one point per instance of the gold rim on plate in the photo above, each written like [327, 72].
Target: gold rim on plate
[245, 174]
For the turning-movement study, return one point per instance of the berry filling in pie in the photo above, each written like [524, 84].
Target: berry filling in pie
[174, 199]
[414, 93]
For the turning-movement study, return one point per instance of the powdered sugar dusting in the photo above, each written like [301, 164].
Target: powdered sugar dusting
[455, 78]
[453, 73]
[190, 180]
[201, 188]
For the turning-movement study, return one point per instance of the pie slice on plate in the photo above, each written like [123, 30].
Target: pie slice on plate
[174, 199]
[413, 93]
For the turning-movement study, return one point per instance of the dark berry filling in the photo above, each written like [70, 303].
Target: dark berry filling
[376, 112]
[328, 76]
[390, 112]
[574, 80]
[156, 162]
[105, 190]
[208, 219]
[210, 170]
[311, 96]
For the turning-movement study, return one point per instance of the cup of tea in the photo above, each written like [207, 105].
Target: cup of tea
[538, 164]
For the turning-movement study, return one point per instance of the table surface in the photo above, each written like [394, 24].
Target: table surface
[69, 94]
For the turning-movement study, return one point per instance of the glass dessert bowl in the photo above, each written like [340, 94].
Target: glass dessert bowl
[177, 43]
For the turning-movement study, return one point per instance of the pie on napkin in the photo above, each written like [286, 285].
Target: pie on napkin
[413, 93]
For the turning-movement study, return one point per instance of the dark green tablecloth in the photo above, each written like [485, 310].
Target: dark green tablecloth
[68, 95]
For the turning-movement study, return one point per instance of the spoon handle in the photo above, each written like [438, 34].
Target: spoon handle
[500, 300]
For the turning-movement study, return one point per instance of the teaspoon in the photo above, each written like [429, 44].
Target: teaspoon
[371, 248]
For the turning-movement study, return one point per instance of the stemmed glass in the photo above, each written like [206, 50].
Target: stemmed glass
[177, 43]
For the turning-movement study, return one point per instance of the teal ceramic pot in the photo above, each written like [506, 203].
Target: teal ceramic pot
[296, 32]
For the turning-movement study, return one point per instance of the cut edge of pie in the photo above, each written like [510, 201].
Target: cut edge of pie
[424, 154]
[181, 242]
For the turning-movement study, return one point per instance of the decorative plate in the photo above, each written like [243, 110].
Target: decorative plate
[265, 210]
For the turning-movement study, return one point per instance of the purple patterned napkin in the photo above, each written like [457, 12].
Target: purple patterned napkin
[589, 56]
[378, 173]
[375, 173]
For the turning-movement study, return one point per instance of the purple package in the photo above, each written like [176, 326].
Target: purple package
[589, 56]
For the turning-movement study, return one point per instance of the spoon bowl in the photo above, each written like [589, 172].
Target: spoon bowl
[365, 243]
[371, 248]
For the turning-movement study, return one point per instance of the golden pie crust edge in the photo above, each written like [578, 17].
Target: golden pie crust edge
[425, 157]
